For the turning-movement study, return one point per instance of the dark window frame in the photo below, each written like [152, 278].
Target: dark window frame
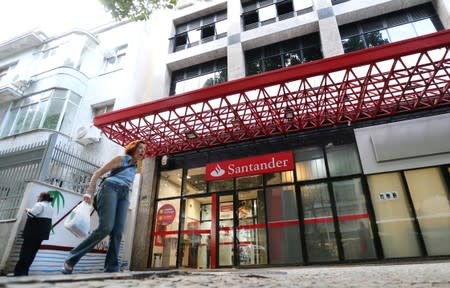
[199, 24]
[260, 55]
[218, 65]
[361, 30]
[250, 15]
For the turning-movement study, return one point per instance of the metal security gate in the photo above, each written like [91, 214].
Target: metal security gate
[56, 161]
[17, 166]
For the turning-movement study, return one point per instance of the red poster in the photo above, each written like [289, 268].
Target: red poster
[263, 164]
[166, 214]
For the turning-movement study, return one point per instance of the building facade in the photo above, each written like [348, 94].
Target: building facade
[51, 88]
[294, 132]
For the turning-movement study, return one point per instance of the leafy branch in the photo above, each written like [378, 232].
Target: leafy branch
[137, 10]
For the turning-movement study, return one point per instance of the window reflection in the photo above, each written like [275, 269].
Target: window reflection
[165, 241]
[199, 76]
[195, 181]
[251, 230]
[401, 32]
[52, 109]
[287, 53]
[400, 25]
[169, 183]
[357, 237]
[200, 30]
[310, 164]
[343, 160]
[319, 227]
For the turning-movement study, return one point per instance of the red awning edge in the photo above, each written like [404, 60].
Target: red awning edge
[382, 81]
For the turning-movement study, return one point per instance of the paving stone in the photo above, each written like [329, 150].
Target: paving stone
[427, 274]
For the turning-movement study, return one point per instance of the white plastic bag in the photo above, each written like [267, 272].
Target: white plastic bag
[79, 220]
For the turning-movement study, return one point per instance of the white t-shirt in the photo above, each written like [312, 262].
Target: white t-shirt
[41, 209]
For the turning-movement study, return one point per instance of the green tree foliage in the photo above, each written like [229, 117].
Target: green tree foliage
[136, 10]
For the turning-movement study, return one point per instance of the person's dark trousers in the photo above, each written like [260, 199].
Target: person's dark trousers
[28, 251]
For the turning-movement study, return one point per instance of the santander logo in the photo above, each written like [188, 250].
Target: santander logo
[217, 172]
[263, 164]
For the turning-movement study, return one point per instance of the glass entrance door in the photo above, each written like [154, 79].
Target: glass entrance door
[195, 242]
[225, 240]
[251, 229]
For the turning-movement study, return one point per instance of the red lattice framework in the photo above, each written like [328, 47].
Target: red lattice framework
[383, 81]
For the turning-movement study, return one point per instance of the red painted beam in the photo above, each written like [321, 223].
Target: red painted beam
[357, 58]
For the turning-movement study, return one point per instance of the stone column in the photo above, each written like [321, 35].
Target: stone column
[443, 10]
[140, 254]
[235, 52]
[328, 27]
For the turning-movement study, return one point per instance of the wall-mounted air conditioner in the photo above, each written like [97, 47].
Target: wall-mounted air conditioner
[20, 82]
[87, 134]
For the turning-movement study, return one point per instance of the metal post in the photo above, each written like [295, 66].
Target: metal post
[47, 157]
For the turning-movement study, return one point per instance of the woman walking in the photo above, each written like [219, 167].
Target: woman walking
[37, 229]
[111, 204]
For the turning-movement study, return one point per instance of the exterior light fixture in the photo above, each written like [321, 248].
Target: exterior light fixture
[235, 122]
[412, 86]
[288, 113]
[164, 160]
[190, 134]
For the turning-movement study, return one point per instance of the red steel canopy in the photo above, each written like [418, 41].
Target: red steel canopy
[382, 81]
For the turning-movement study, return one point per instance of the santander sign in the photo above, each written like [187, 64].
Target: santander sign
[268, 163]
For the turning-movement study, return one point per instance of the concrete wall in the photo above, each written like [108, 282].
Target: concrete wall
[403, 145]
[144, 217]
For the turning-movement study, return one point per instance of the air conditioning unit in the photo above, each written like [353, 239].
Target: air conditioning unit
[87, 134]
[21, 83]
[108, 53]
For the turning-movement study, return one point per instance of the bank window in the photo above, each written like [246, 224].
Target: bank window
[199, 76]
[220, 185]
[200, 30]
[52, 109]
[392, 27]
[195, 181]
[343, 160]
[283, 54]
[279, 178]
[319, 227]
[354, 223]
[249, 182]
[310, 164]
[170, 183]
[165, 235]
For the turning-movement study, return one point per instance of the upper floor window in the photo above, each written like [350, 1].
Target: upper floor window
[388, 28]
[199, 76]
[102, 108]
[335, 2]
[115, 58]
[283, 54]
[262, 12]
[53, 109]
[7, 69]
[200, 30]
